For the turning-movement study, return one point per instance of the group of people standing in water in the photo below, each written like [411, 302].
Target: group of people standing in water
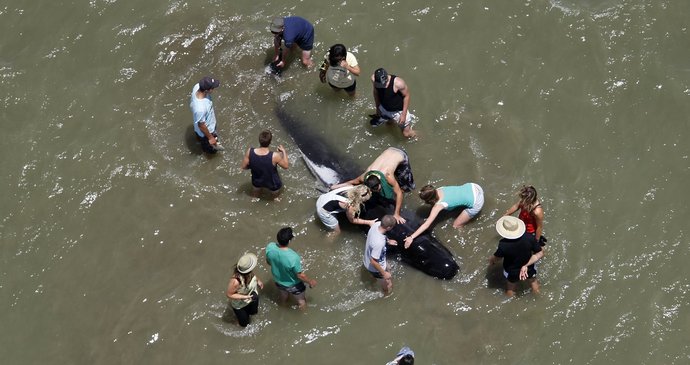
[387, 178]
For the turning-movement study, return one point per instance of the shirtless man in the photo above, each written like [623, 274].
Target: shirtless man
[387, 176]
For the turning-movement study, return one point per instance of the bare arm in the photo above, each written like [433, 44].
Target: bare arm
[405, 92]
[302, 276]
[539, 221]
[432, 216]
[379, 268]
[232, 293]
[493, 259]
[245, 160]
[204, 130]
[512, 209]
[377, 102]
[350, 214]
[398, 197]
[356, 181]
[281, 158]
[354, 70]
[534, 258]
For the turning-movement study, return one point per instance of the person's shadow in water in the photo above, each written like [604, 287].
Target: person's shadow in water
[192, 141]
[494, 276]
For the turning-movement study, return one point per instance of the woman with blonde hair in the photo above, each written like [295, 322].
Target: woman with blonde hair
[243, 289]
[348, 199]
[531, 212]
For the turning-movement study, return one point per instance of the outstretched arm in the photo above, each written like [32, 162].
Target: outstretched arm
[350, 214]
[356, 181]
[432, 216]
[398, 197]
[512, 209]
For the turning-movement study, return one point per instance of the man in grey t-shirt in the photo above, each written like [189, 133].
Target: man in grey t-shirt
[375, 252]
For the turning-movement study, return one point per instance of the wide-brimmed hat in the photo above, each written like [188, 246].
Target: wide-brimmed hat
[510, 227]
[277, 24]
[247, 263]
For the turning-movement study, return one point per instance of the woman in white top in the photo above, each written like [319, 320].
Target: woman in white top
[339, 68]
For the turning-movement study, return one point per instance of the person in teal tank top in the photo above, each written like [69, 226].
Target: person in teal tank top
[469, 197]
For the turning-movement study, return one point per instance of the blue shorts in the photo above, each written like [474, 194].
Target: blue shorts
[295, 289]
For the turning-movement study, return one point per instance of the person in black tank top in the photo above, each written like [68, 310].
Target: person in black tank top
[263, 163]
[392, 99]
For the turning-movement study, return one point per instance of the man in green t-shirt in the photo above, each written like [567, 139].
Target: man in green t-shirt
[286, 267]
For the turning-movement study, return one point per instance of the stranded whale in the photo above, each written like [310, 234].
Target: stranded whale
[426, 253]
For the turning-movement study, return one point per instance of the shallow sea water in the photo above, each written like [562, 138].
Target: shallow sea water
[118, 236]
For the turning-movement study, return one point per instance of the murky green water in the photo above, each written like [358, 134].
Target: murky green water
[118, 237]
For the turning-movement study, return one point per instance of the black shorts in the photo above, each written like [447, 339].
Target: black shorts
[295, 289]
[206, 145]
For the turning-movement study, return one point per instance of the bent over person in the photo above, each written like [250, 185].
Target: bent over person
[388, 176]
[295, 32]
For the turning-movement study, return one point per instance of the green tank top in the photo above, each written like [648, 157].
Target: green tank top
[386, 188]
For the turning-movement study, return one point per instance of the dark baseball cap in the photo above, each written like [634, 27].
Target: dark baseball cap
[380, 78]
[208, 83]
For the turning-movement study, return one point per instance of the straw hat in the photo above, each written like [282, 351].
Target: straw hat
[247, 263]
[510, 227]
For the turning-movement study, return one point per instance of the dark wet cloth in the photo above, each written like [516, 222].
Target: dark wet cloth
[403, 174]
[264, 172]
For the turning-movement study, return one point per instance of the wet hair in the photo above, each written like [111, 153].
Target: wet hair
[265, 138]
[357, 196]
[388, 221]
[406, 360]
[528, 197]
[337, 53]
[428, 194]
[284, 236]
[373, 182]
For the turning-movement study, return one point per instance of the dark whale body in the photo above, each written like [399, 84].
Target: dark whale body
[425, 253]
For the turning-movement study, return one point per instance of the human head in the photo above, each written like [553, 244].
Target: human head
[337, 53]
[277, 25]
[388, 221]
[528, 196]
[380, 78]
[406, 360]
[510, 227]
[358, 196]
[265, 138]
[247, 263]
[284, 236]
[208, 83]
[428, 194]
[373, 182]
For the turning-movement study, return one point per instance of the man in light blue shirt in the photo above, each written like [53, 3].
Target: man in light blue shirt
[203, 114]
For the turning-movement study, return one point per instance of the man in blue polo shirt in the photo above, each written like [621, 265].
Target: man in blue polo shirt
[293, 31]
